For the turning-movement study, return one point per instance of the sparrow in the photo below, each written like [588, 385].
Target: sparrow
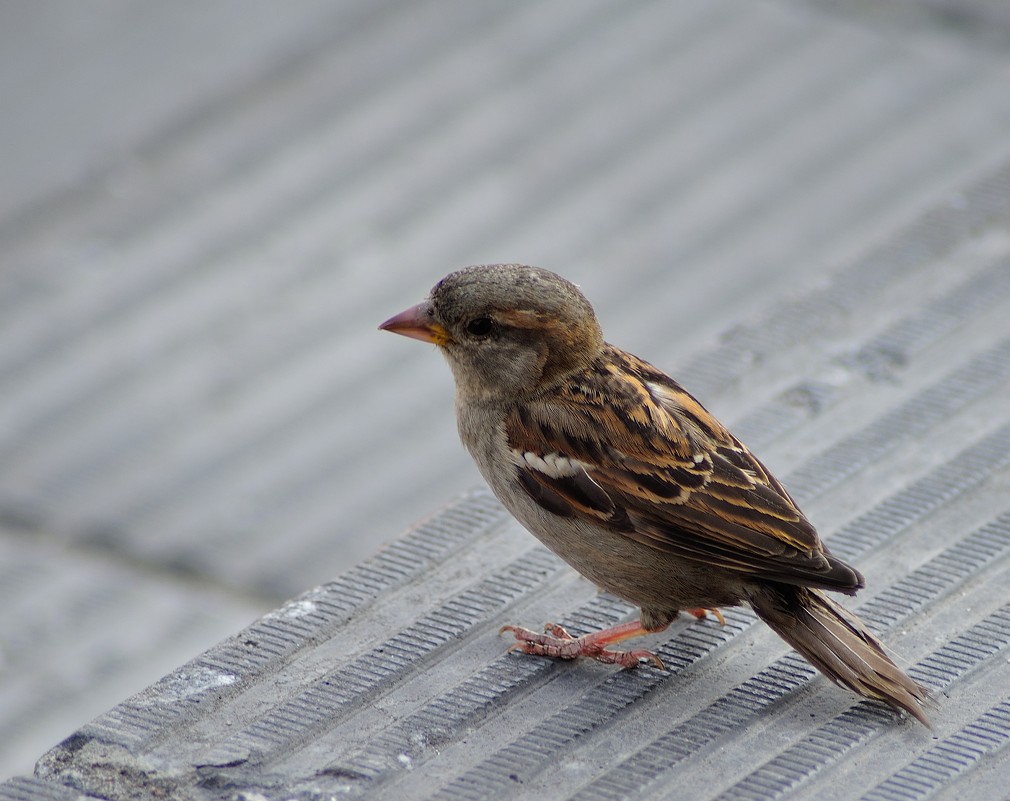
[616, 468]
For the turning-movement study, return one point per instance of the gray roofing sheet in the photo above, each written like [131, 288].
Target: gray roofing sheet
[803, 213]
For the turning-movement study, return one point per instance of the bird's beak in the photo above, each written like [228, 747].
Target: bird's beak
[417, 323]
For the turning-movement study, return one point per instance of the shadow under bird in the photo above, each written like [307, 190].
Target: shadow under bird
[621, 472]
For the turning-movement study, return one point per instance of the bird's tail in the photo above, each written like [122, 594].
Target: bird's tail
[838, 644]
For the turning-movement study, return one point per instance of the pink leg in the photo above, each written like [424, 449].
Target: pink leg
[560, 644]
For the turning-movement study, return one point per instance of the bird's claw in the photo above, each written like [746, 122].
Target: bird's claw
[556, 642]
[702, 612]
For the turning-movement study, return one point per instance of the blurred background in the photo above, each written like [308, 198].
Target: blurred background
[206, 208]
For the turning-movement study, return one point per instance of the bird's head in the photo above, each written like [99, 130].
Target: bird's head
[508, 331]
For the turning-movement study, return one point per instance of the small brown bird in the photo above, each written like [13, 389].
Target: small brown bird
[617, 469]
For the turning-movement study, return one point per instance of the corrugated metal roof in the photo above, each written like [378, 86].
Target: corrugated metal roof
[806, 216]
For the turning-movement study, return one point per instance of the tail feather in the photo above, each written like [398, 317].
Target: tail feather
[838, 644]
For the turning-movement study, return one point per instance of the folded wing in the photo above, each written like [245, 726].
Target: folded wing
[651, 463]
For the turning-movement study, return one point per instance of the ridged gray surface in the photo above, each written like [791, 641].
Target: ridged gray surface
[801, 209]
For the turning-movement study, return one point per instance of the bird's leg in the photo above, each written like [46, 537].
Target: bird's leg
[702, 612]
[560, 644]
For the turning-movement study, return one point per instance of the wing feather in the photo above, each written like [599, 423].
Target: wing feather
[644, 458]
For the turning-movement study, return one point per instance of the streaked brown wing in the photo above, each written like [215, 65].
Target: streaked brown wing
[631, 450]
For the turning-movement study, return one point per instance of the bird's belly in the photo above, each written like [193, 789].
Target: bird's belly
[639, 573]
[646, 576]
[649, 577]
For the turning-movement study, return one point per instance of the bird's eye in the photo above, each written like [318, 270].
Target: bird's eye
[480, 326]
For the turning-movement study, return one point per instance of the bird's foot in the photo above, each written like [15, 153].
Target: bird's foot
[702, 612]
[558, 643]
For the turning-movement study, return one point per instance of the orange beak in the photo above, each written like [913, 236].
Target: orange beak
[417, 323]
